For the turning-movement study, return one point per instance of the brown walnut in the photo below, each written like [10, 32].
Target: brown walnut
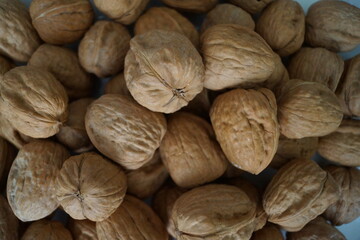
[197, 6]
[269, 232]
[83, 229]
[117, 85]
[252, 6]
[5, 65]
[47, 230]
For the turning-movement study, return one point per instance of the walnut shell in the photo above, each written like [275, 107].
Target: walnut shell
[31, 180]
[102, 50]
[164, 18]
[163, 70]
[61, 21]
[73, 133]
[246, 127]
[18, 38]
[278, 78]
[8, 222]
[190, 152]
[269, 232]
[117, 85]
[83, 229]
[34, 101]
[317, 229]
[243, 58]
[47, 230]
[5, 65]
[124, 131]
[282, 25]
[197, 6]
[132, 220]
[307, 109]
[214, 211]
[252, 6]
[7, 156]
[317, 65]
[298, 193]
[65, 66]
[334, 25]
[227, 14]
[145, 181]
[347, 208]
[348, 90]
[90, 187]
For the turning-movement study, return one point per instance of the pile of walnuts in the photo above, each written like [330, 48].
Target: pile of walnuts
[186, 112]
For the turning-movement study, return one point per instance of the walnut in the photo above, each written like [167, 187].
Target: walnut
[307, 109]
[242, 58]
[282, 25]
[47, 230]
[334, 25]
[7, 156]
[190, 152]
[117, 85]
[31, 180]
[227, 14]
[90, 187]
[317, 229]
[197, 6]
[65, 66]
[269, 232]
[9, 224]
[246, 127]
[133, 220]
[166, 19]
[252, 6]
[73, 133]
[163, 70]
[347, 208]
[34, 101]
[83, 229]
[61, 21]
[145, 181]
[214, 211]
[124, 131]
[18, 38]
[317, 65]
[298, 193]
[277, 79]
[5, 65]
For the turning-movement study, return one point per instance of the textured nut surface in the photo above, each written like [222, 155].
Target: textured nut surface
[61, 21]
[166, 19]
[198, 6]
[163, 70]
[46, 230]
[269, 232]
[90, 187]
[317, 65]
[227, 14]
[5, 65]
[124, 131]
[252, 6]
[190, 152]
[307, 109]
[334, 25]
[298, 193]
[18, 38]
[34, 101]
[214, 211]
[122, 11]
[8, 222]
[102, 50]
[65, 66]
[132, 220]
[235, 55]
[117, 85]
[73, 133]
[317, 229]
[347, 208]
[83, 229]
[31, 180]
[246, 127]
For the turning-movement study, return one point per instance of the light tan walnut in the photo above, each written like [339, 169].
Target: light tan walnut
[197, 6]
[83, 229]
[46, 230]
[9, 224]
[252, 6]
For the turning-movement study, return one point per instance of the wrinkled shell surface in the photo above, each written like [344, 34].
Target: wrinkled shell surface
[163, 70]
[18, 38]
[164, 18]
[298, 193]
[308, 109]
[61, 21]
[317, 65]
[252, 6]
[246, 127]
[8, 222]
[117, 85]
[124, 131]
[90, 187]
[83, 229]
[190, 151]
[334, 25]
[242, 58]
[269, 232]
[214, 212]
[132, 220]
[34, 101]
[5, 65]
[198, 6]
[65, 66]
[31, 180]
[46, 230]
[102, 50]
